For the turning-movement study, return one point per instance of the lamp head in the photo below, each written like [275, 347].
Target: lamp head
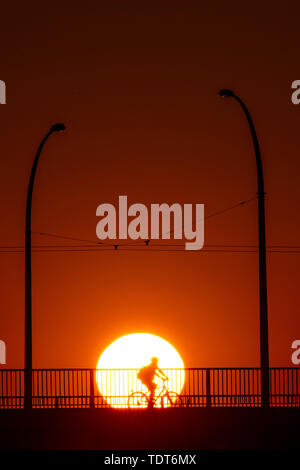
[58, 127]
[225, 93]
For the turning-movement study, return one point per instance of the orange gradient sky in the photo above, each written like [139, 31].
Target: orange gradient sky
[136, 86]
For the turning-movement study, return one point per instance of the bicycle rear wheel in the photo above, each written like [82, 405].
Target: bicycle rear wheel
[138, 400]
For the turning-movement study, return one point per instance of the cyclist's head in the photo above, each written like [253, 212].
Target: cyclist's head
[154, 360]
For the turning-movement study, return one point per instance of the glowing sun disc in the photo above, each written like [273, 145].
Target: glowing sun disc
[133, 352]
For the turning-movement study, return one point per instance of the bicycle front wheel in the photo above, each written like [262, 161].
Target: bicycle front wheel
[171, 399]
[138, 400]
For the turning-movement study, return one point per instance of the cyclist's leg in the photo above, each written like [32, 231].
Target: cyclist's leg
[152, 386]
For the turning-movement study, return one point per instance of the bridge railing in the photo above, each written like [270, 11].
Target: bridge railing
[196, 387]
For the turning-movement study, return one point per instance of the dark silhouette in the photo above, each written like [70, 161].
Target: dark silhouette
[263, 295]
[28, 305]
[146, 375]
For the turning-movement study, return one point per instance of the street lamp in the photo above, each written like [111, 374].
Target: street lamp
[264, 335]
[28, 316]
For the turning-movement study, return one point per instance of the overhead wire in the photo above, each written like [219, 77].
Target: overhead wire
[145, 245]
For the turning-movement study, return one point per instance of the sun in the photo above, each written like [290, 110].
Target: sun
[132, 352]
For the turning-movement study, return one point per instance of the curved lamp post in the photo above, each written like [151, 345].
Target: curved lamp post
[28, 319]
[264, 335]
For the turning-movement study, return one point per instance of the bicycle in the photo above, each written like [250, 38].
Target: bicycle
[143, 400]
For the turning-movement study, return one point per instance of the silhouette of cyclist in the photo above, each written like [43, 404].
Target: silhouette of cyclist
[146, 375]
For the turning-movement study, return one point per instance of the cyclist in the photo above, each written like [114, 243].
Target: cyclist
[146, 375]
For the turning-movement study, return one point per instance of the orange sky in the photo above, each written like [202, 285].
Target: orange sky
[137, 89]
